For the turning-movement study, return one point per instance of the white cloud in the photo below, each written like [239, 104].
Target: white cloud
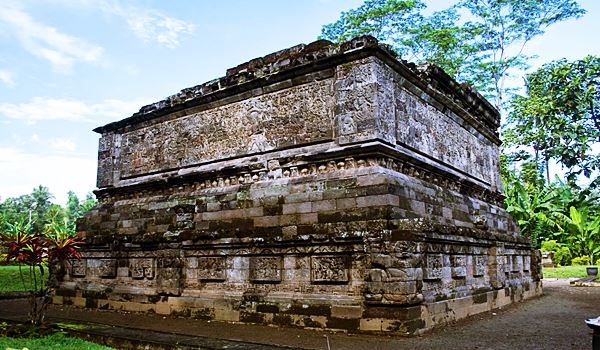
[61, 50]
[7, 78]
[63, 145]
[44, 109]
[148, 24]
[60, 173]
[158, 27]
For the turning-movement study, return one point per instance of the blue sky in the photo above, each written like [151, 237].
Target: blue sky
[68, 66]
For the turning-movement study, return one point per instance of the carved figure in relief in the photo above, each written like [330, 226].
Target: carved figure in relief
[347, 124]
[329, 269]
[265, 269]
[142, 268]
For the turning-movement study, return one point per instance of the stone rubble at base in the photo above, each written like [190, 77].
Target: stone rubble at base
[321, 186]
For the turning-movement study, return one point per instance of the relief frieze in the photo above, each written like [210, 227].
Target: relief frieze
[297, 115]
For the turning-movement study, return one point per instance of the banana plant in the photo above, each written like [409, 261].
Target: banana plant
[581, 233]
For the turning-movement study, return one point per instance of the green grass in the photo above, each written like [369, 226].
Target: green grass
[54, 341]
[565, 271]
[10, 279]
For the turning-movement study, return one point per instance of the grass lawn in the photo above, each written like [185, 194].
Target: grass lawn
[564, 272]
[10, 279]
[54, 341]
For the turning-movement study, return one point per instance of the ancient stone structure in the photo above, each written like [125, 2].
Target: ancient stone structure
[320, 186]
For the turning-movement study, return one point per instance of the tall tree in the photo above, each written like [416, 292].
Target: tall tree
[559, 117]
[481, 50]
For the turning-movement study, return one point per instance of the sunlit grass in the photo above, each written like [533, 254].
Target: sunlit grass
[10, 278]
[54, 341]
[565, 272]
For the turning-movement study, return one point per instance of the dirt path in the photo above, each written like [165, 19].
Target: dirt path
[553, 321]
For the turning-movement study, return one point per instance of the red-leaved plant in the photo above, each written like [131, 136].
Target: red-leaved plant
[43, 252]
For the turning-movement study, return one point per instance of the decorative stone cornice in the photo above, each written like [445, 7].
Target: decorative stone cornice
[319, 55]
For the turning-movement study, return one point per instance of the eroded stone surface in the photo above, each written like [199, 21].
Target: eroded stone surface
[320, 186]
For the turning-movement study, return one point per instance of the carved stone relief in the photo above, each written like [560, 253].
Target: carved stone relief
[78, 267]
[430, 131]
[141, 268]
[355, 89]
[526, 263]
[169, 275]
[516, 263]
[329, 269]
[479, 265]
[212, 269]
[105, 268]
[265, 269]
[459, 266]
[297, 115]
[433, 267]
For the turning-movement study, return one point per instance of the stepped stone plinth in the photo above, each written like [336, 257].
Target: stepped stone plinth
[321, 186]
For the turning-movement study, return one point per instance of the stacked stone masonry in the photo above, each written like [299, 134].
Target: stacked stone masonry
[320, 186]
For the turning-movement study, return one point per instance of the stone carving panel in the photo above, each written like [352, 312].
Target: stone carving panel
[329, 269]
[265, 269]
[141, 268]
[212, 269]
[297, 115]
[433, 267]
[428, 130]
[507, 264]
[459, 266]
[105, 160]
[169, 276]
[356, 87]
[516, 263]
[78, 267]
[479, 265]
[526, 263]
[105, 268]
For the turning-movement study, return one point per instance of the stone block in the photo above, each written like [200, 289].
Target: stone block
[349, 312]
[297, 208]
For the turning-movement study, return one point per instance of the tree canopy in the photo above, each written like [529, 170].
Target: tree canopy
[559, 117]
[475, 41]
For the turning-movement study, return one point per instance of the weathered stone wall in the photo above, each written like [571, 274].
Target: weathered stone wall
[320, 186]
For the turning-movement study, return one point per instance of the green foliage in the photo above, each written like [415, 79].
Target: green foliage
[477, 41]
[581, 261]
[534, 210]
[562, 254]
[37, 211]
[36, 252]
[559, 118]
[561, 211]
[54, 341]
[581, 233]
[550, 245]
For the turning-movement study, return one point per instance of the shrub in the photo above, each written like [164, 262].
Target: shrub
[550, 245]
[562, 254]
[580, 261]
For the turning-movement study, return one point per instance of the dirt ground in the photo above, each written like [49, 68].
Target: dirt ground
[553, 321]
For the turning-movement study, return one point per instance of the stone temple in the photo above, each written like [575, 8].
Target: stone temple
[323, 186]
